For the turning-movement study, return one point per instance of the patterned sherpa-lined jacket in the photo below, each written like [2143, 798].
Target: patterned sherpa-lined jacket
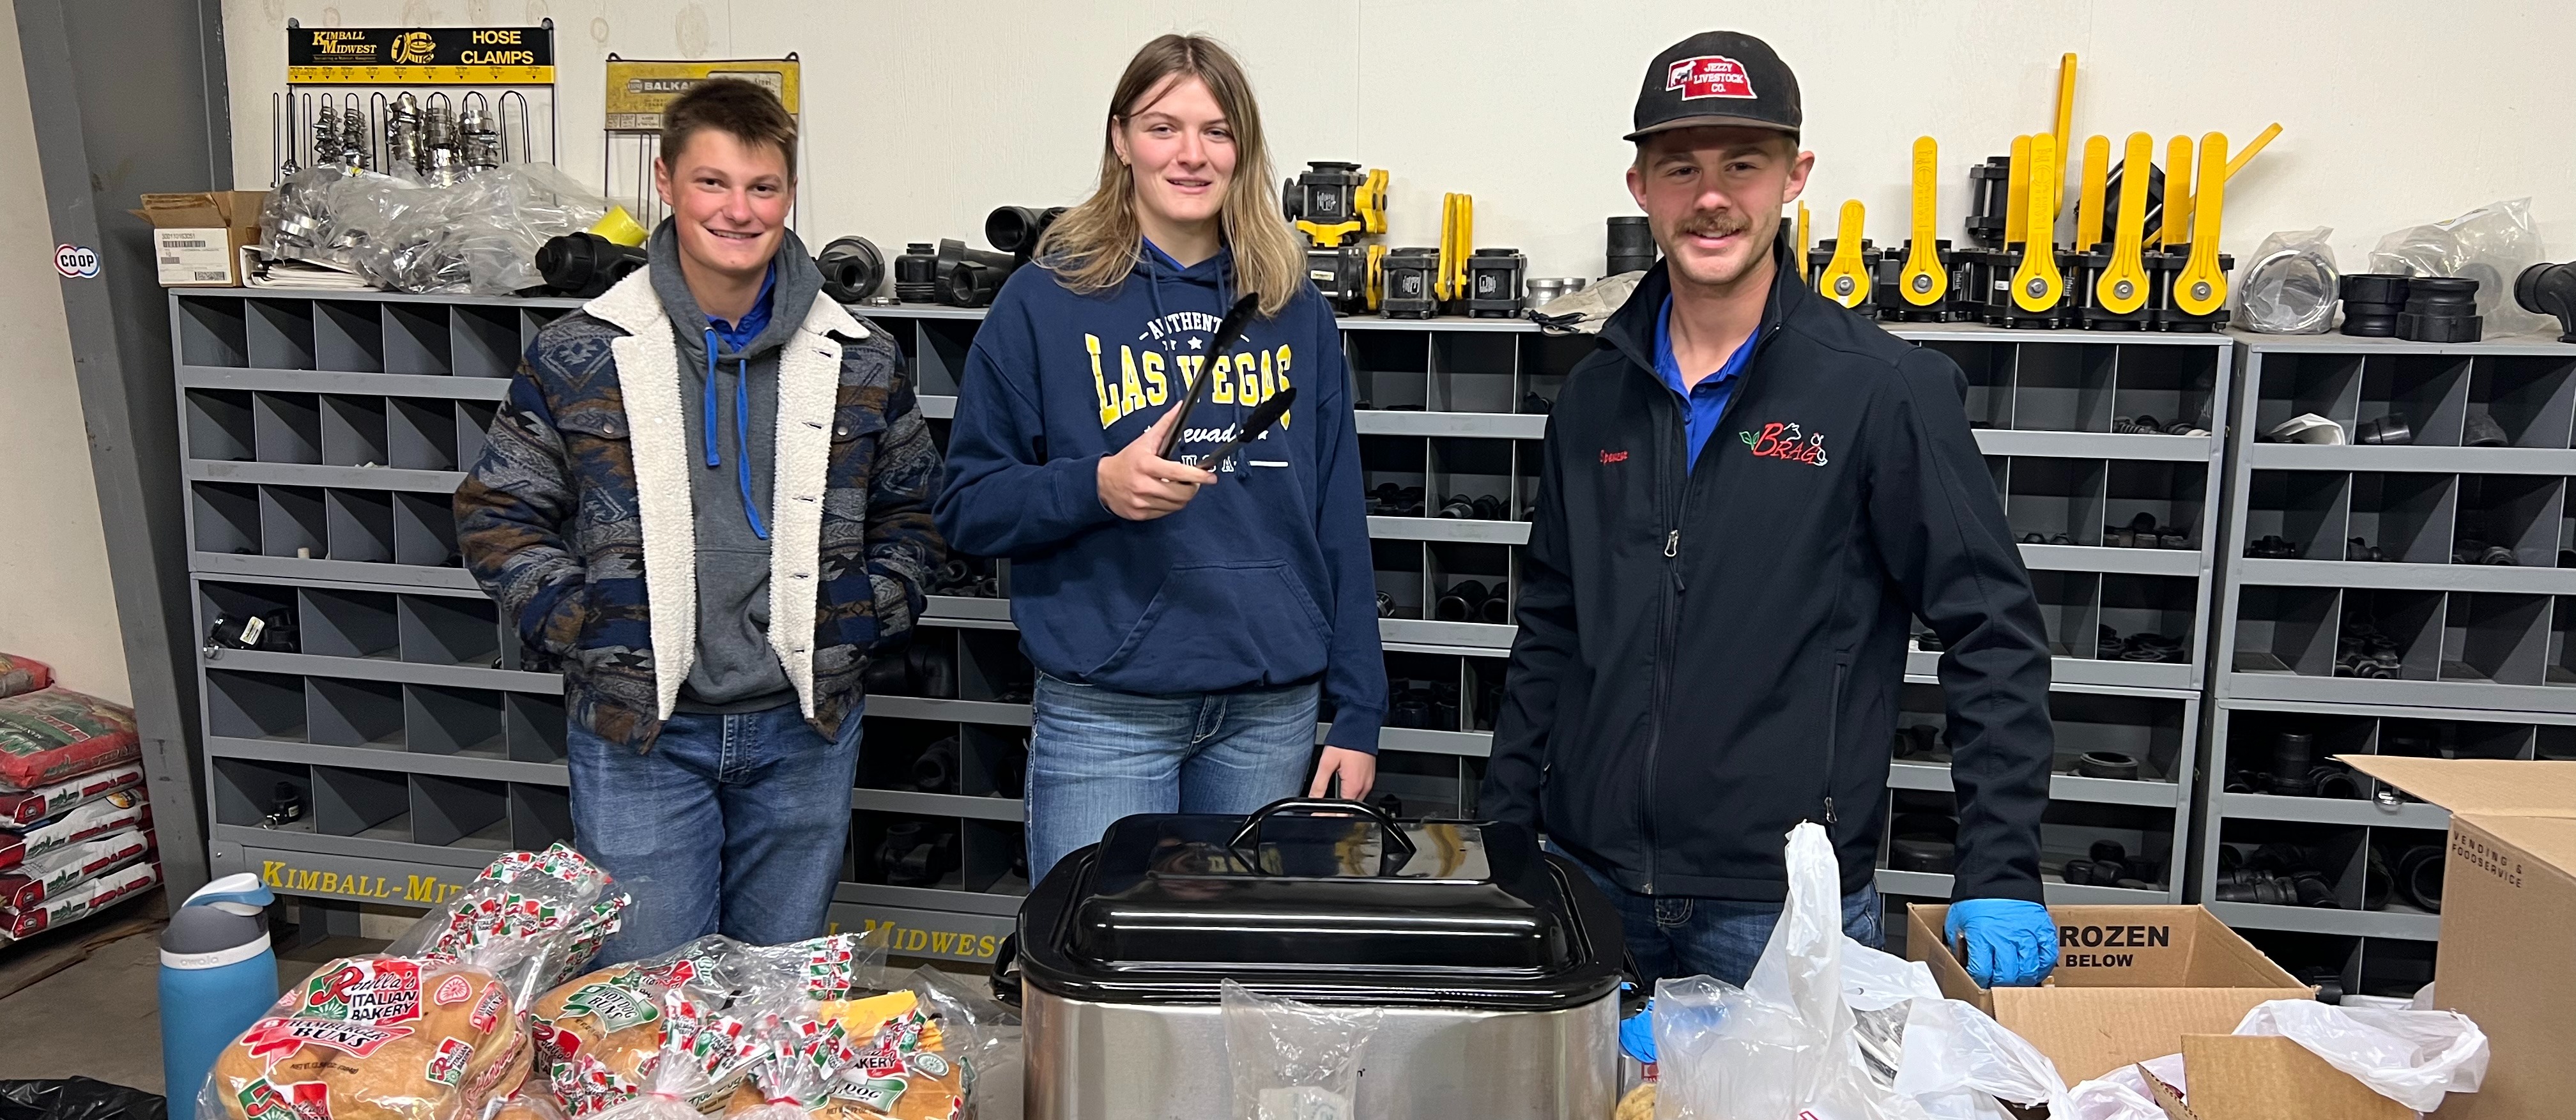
[578, 521]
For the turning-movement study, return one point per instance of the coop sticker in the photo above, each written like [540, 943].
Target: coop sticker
[76, 262]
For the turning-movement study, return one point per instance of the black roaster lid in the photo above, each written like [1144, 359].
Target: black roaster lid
[1467, 913]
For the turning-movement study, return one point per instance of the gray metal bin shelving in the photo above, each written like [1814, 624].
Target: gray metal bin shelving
[325, 431]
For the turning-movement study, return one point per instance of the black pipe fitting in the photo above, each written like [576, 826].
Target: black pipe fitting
[970, 277]
[1018, 229]
[2107, 764]
[583, 265]
[1632, 245]
[2440, 309]
[2419, 877]
[2293, 755]
[935, 770]
[2549, 289]
[2371, 301]
[916, 273]
[852, 269]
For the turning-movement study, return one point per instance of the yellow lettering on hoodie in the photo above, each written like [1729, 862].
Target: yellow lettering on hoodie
[1283, 383]
[1157, 387]
[1100, 384]
[1221, 390]
[1269, 379]
[1190, 367]
[1153, 361]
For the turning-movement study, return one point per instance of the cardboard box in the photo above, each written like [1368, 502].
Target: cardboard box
[2130, 982]
[2248, 1077]
[2508, 951]
[197, 235]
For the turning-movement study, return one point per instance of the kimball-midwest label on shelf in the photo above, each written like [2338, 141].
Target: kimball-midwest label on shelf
[420, 55]
[638, 90]
[899, 937]
[360, 879]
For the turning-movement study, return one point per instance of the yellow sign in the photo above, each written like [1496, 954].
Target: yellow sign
[638, 91]
[417, 890]
[917, 941]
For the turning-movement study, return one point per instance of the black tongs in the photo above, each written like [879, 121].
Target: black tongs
[1260, 421]
[1228, 331]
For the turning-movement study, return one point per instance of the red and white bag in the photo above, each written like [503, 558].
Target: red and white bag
[48, 876]
[26, 807]
[23, 674]
[79, 901]
[53, 734]
[115, 812]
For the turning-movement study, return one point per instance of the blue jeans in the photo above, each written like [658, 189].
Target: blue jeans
[1097, 754]
[733, 824]
[1675, 936]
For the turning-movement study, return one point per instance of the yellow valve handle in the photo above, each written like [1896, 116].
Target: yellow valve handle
[1844, 281]
[2065, 129]
[1455, 267]
[1923, 282]
[1448, 248]
[2088, 209]
[1371, 202]
[2017, 194]
[1802, 243]
[2123, 286]
[2175, 228]
[2201, 288]
[1375, 289]
[2238, 161]
[2036, 284]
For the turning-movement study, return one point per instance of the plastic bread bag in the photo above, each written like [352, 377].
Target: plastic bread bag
[1291, 1060]
[2292, 284]
[806, 1057]
[916, 1053]
[706, 1052]
[432, 1031]
[599, 1035]
[2491, 245]
[2411, 1057]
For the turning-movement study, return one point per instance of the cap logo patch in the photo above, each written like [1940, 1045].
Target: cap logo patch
[1709, 75]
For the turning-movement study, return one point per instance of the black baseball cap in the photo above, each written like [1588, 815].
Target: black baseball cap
[1718, 78]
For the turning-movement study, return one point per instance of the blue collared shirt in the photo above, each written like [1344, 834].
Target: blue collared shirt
[1702, 404]
[738, 335]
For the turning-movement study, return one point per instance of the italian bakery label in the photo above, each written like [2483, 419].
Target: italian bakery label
[304, 1100]
[613, 1005]
[381, 992]
[420, 55]
[269, 1040]
[487, 1012]
[452, 991]
[447, 1066]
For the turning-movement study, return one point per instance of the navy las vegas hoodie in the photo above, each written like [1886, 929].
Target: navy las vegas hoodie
[1264, 579]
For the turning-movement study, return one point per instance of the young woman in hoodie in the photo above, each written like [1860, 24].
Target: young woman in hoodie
[1183, 621]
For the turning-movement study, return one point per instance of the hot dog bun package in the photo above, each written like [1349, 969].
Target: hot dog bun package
[909, 1054]
[434, 1028]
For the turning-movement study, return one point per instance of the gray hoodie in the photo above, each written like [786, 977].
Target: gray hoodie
[736, 670]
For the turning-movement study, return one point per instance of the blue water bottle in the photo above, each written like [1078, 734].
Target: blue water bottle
[218, 975]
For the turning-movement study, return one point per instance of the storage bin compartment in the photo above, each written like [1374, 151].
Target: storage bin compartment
[2407, 517]
[1471, 371]
[1399, 567]
[2169, 384]
[2407, 624]
[352, 713]
[2519, 513]
[996, 761]
[2076, 841]
[1545, 360]
[347, 337]
[2498, 639]
[2531, 399]
[1395, 471]
[540, 816]
[473, 425]
[486, 340]
[990, 667]
[460, 812]
[2151, 616]
[2455, 738]
[2070, 603]
[1424, 692]
[1989, 369]
[287, 426]
[911, 755]
[239, 601]
[2256, 760]
[2332, 961]
[2286, 630]
[248, 791]
[2406, 871]
[2054, 498]
[533, 723]
[1484, 691]
[420, 435]
[2327, 385]
[449, 630]
[291, 521]
[210, 332]
[243, 705]
[2308, 511]
[441, 720]
[353, 431]
[2171, 495]
[416, 338]
[996, 859]
[2149, 731]
[2265, 862]
[943, 345]
[220, 427]
[361, 525]
[2554, 741]
[2063, 387]
[1471, 579]
[1529, 457]
[340, 623]
[2429, 393]
[1423, 785]
[1390, 368]
[424, 530]
[1479, 471]
[374, 804]
[2397, 968]
[904, 850]
[280, 333]
[534, 319]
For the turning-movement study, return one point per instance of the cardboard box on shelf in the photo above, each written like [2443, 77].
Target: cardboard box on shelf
[2130, 982]
[2508, 920]
[197, 235]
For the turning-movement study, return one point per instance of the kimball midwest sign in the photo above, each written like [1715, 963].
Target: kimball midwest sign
[420, 56]
[900, 938]
[412, 889]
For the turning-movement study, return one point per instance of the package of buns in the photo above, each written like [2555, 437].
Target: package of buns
[435, 1028]
[909, 1054]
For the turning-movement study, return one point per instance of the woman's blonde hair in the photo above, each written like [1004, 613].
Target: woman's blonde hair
[1094, 245]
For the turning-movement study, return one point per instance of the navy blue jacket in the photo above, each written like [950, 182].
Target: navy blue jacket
[1264, 579]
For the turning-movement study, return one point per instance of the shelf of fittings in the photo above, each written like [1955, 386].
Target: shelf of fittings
[2440, 572]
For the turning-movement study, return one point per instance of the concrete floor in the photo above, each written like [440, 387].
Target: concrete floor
[101, 1018]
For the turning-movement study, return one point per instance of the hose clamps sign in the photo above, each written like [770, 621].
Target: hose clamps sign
[76, 262]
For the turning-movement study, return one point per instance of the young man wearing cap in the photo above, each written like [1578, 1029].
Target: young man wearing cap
[1746, 496]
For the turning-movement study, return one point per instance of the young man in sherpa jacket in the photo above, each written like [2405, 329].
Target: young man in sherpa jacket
[708, 497]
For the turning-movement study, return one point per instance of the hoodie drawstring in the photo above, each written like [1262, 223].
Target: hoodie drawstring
[742, 430]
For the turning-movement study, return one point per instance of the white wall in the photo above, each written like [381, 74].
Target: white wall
[55, 602]
[923, 116]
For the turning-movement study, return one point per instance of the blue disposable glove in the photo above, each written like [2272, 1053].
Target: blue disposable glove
[2011, 943]
[1637, 1034]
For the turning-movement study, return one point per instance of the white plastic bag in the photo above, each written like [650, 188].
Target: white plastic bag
[1959, 1060]
[2411, 1057]
[2290, 287]
[1291, 1060]
[2491, 245]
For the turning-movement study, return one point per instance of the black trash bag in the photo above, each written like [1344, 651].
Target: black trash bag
[78, 1098]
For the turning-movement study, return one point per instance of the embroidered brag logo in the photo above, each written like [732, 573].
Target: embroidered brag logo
[1709, 75]
[1785, 441]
